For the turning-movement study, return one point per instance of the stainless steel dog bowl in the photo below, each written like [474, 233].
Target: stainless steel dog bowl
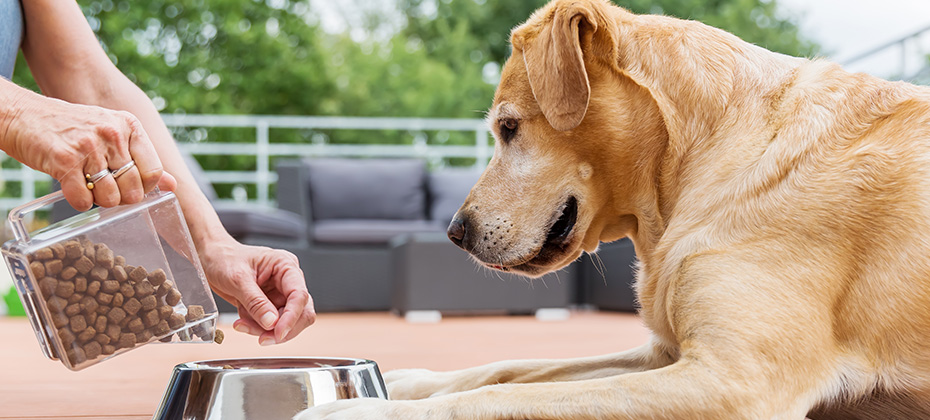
[265, 389]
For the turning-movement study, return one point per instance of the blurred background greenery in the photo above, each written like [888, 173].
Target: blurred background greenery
[398, 58]
[274, 57]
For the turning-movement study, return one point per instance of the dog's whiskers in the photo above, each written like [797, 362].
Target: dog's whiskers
[599, 266]
[500, 263]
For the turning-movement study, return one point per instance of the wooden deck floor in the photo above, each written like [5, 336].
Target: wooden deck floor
[131, 386]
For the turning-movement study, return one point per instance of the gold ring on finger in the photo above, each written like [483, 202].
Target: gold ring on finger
[91, 179]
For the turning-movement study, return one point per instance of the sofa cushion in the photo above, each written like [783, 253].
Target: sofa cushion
[367, 189]
[246, 220]
[447, 191]
[368, 231]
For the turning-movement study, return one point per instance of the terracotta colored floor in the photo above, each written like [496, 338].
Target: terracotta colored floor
[131, 386]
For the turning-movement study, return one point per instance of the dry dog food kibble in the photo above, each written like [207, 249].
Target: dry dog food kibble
[69, 273]
[101, 305]
[80, 283]
[48, 285]
[161, 328]
[149, 303]
[119, 273]
[157, 277]
[173, 297]
[73, 250]
[164, 288]
[138, 274]
[84, 265]
[52, 267]
[176, 320]
[194, 312]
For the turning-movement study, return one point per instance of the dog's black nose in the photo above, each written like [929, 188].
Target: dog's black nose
[457, 232]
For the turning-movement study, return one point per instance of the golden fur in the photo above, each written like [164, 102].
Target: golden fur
[780, 208]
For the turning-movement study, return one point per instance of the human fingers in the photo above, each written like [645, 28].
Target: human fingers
[298, 318]
[115, 132]
[99, 182]
[298, 312]
[148, 167]
[127, 178]
[245, 323]
[74, 187]
[254, 306]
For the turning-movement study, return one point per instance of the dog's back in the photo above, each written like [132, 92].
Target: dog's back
[881, 215]
[832, 187]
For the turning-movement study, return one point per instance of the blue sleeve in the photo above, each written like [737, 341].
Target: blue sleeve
[11, 35]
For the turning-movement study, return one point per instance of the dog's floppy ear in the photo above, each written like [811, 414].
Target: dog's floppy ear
[555, 65]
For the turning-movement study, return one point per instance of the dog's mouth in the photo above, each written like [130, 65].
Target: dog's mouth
[558, 237]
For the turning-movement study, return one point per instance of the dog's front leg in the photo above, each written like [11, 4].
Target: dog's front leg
[410, 384]
[689, 389]
[752, 346]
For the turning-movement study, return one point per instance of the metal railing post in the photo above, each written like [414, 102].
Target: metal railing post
[262, 165]
[482, 153]
[28, 189]
[903, 71]
[28, 183]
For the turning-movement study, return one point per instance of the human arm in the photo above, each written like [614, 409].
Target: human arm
[68, 63]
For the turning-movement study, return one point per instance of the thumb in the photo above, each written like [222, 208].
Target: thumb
[257, 305]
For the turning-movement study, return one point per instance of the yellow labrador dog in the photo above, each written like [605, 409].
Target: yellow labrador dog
[780, 208]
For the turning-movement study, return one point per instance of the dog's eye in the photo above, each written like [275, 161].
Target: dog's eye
[508, 128]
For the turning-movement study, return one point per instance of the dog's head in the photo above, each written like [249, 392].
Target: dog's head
[569, 130]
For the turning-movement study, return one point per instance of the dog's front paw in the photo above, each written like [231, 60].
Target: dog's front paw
[361, 408]
[416, 384]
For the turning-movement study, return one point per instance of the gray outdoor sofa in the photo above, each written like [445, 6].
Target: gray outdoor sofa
[376, 233]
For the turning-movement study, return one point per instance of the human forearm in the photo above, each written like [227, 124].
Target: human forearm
[11, 106]
[204, 224]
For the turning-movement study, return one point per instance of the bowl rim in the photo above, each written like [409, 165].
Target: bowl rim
[276, 363]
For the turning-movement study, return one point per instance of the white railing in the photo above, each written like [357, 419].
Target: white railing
[906, 57]
[264, 149]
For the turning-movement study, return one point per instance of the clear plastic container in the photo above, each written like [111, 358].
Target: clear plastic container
[110, 280]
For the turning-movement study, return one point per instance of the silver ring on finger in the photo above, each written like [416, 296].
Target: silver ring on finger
[91, 179]
[123, 169]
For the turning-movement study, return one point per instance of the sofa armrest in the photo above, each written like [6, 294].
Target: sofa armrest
[293, 191]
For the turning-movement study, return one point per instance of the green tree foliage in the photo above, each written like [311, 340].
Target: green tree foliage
[470, 38]
[441, 26]
[271, 57]
[217, 56]
[490, 22]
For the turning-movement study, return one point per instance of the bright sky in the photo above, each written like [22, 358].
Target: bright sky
[846, 28]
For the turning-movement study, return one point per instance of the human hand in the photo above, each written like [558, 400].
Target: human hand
[68, 141]
[266, 285]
